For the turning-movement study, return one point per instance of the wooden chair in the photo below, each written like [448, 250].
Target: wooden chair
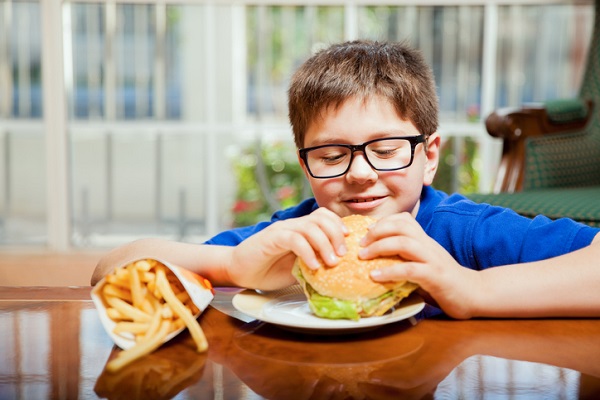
[551, 151]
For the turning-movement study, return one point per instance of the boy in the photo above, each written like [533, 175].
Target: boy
[364, 117]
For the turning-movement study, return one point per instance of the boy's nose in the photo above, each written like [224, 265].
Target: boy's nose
[360, 170]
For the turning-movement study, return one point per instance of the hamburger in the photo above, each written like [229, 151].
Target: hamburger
[347, 291]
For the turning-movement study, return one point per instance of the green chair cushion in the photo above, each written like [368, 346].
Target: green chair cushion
[580, 204]
[566, 110]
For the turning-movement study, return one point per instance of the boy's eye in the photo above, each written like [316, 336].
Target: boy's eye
[333, 156]
[384, 151]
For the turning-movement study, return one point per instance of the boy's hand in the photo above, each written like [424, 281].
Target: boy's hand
[265, 260]
[442, 280]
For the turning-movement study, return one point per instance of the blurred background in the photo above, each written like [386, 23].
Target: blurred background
[168, 118]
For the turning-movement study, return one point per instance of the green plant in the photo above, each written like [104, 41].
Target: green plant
[268, 178]
[466, 178]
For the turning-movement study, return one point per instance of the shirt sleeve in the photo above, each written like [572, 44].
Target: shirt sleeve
[235, 236]
[480, 236]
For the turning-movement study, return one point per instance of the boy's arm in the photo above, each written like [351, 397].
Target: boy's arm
[568, 285]
[208, 261]
[219, 264]
[262, 261]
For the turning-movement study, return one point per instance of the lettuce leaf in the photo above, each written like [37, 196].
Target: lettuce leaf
[332, 308]
[328, 307]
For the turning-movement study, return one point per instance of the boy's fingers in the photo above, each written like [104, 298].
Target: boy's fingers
[305, 251]
[408, 249]
[334, 228]
[313, 247]
[387, 274]
[402, 271]
[326, 233]
[318, 238]
[398, 225]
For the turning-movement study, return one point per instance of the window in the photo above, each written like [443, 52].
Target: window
[163, 100]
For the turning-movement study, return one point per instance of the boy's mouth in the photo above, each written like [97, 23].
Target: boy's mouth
[361, 205]
[365, 200]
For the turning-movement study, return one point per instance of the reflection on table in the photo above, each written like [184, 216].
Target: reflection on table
[53, 346]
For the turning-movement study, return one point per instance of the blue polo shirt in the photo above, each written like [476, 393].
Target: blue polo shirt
[478, 236]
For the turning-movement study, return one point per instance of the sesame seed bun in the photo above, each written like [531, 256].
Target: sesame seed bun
[350, 280]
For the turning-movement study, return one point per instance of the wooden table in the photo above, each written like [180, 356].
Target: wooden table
[53, 346]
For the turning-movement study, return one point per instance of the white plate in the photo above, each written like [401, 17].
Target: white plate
[288, 308]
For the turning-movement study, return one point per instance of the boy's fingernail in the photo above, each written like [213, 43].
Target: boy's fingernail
[375, 273]
[332, 258]
[342, 250]
[363, 253]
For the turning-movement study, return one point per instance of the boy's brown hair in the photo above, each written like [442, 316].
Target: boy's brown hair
[362, 69]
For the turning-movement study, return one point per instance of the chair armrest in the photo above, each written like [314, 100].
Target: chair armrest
[515, 125]
[538, 119]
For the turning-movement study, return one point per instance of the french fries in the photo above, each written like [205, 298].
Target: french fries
[147, 302]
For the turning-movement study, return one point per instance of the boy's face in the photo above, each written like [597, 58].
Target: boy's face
[363, 190]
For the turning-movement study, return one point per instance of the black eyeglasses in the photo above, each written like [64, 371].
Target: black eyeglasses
[386, 154]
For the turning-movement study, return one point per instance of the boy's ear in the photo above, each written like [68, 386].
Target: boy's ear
[433, 157]
[301, 162]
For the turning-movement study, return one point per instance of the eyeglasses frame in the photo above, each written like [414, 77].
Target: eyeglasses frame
[413, 140]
